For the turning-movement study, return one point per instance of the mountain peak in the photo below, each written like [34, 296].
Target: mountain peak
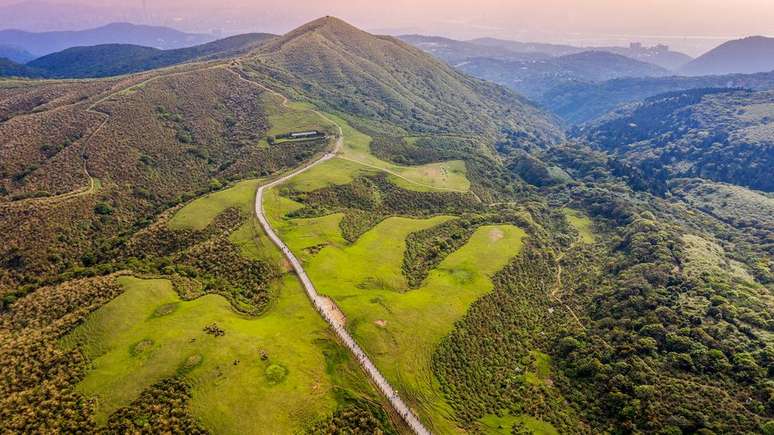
[749, 55]
[326, 23]
[325, 33]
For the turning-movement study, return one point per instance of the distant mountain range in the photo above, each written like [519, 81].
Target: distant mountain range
[579, 85]
[454, 51]
[749, 55]
[116, 59]
[15, 54]
[533, 77]
[580, 102]
[528, 47]
[40, 44]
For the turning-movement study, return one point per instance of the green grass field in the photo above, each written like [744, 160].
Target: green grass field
[293, 117]
[540, 372]
[451, 175]
[397, 327]
[133, 347]
[494, 425]
[201, 212]
[582, 223]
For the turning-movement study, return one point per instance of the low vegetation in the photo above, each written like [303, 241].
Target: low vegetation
[501, 282]
[717, 134]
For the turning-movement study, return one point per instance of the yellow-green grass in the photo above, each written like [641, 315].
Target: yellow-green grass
[296, 116]
[293, 117]
[254, 244]
[582, 223]
[250, 237]
[202, 211]
[331, 172]
[451, 175]
[134, 344]
[540, 371]
[494, 425]
[398, 327]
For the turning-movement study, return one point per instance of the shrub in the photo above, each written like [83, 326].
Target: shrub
[103, 208]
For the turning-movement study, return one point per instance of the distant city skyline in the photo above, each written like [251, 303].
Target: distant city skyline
[692, 26]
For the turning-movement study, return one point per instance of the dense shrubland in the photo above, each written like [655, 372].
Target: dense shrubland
[37, 377]
[646, 348]
[662, 352]
[370, 199]
[360, 417]
[172, 139]
[161, 408]
[717, 134]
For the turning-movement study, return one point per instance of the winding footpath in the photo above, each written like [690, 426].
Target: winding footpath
[320, 302]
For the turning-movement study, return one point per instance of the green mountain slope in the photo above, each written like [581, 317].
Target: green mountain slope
[381, 77]
[117, 59]
[9, 68]
[720, 134]
[15, 54]
[581, 102]
[534, 77]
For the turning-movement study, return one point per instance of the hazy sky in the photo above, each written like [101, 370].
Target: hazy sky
[691, 25]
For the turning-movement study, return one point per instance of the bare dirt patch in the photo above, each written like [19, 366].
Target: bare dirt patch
[336, 313]
[434, 172]
[496, 234]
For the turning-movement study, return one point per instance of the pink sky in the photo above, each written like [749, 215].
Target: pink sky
[692, 25]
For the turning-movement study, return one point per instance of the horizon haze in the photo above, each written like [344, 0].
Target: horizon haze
[690, 26]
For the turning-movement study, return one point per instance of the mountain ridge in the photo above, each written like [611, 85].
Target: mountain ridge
[116, 59]
[390, 78]
[748, 55]
[43, 43]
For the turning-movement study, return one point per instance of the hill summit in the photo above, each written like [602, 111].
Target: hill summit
[746, 56]
[381, 77]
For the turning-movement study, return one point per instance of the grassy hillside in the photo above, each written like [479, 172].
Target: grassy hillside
[382, 78]
[151, 141]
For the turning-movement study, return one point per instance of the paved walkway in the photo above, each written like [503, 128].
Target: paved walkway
[318, 301]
